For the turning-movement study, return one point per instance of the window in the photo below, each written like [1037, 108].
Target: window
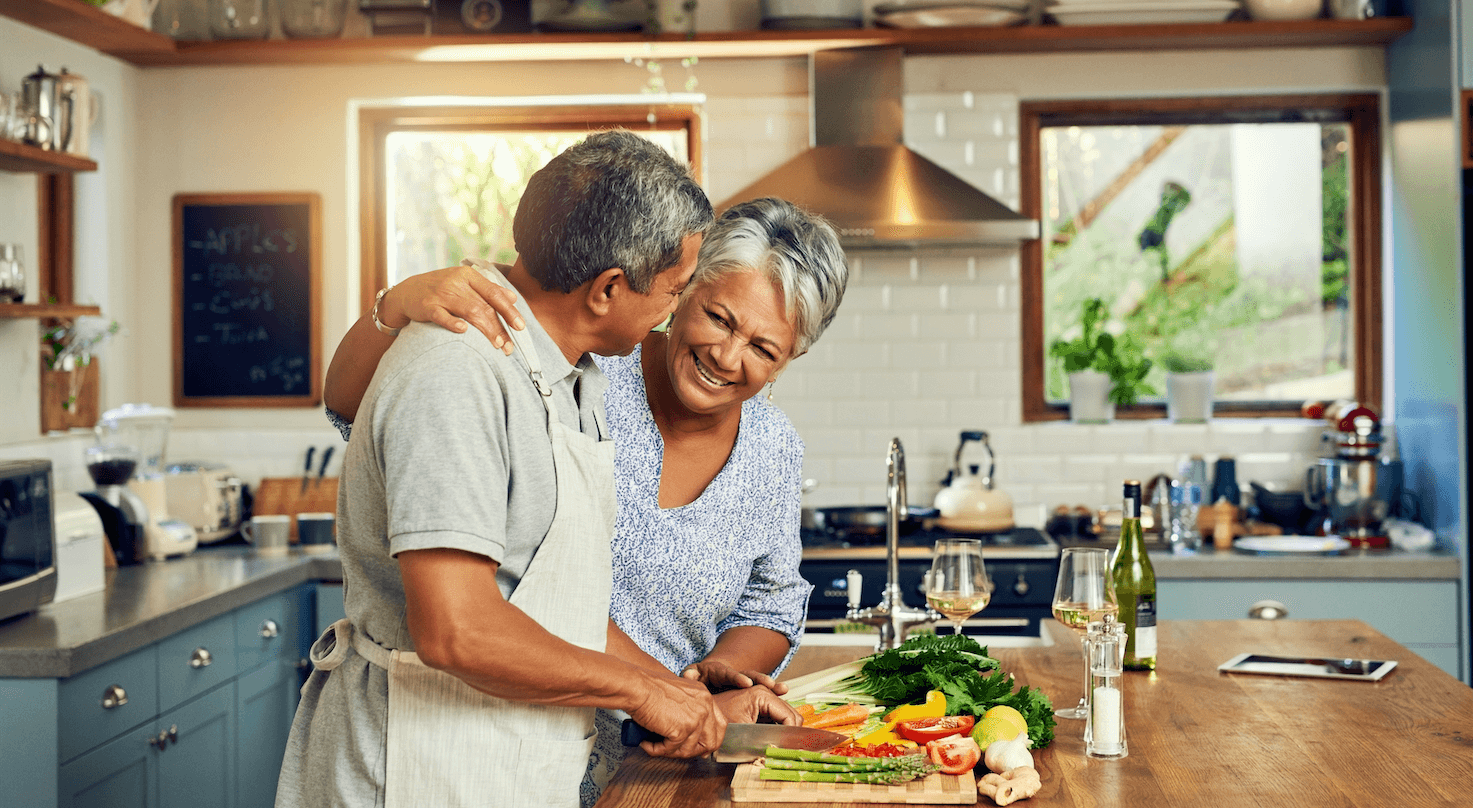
[441, 184]
[1237, 233]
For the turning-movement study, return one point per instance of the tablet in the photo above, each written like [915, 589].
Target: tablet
[1366, 670]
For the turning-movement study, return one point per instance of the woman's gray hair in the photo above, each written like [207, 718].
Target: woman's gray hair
[614, 199]
[796, 250]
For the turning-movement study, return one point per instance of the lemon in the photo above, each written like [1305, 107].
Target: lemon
[1012, 715]
[994, 728]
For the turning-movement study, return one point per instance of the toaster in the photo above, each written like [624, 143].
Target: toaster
[205, 496]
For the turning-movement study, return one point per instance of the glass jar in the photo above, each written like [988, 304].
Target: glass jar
[12, 274]
[313, 18]
[1104, 726]
[182, 20]
[239, 19]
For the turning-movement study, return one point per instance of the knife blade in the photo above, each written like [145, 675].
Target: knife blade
[747, 742]
[307, 470]
[322, 470]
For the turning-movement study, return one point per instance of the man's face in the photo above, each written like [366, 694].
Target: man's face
[635, 315]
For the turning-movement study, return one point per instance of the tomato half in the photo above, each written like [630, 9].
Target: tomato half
[955, 755]
[924, 730]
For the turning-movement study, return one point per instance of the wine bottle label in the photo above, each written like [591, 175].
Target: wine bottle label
[1145, 627]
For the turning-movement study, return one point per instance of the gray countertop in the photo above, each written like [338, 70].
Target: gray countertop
[145, 603]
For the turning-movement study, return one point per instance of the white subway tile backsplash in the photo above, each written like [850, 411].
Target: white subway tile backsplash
[923, 298]
[950, 384]
[863, 355]
[948, 270]
[1124, 438]
[1031, 469]
[980, 412]
[893, 385]
[921, 412]
[866, 298]
[980, 354]
[916, 102]
[808, 414]
[887, 268]
[860, 414]
[887, 327]
[829, 441]
[946, 326]
[1062, 438]
[920, 355]
[860, 469]
[980, 296]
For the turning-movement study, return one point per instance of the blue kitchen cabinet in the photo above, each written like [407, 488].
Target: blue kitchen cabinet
[1420, 614]
[330, 607]
[266, 701]
[199, 718]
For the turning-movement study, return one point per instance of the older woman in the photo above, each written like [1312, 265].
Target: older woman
[707, 472]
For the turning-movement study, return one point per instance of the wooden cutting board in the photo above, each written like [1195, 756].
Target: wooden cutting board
[936, 789]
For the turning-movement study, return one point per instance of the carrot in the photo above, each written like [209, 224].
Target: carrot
[807, 711]
[847, 714]
[847, 729]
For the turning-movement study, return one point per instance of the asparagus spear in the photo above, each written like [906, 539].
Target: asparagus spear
[798, 775]
[779, 753]
[917, 768]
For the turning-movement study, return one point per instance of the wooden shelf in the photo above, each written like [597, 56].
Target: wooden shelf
[11, 311]
[108, 34]
[18, 158]
[88, 25]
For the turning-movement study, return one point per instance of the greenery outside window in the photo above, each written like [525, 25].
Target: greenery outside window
[1238, 233]
[441, 184]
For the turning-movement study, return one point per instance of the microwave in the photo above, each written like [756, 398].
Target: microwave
[27, 537]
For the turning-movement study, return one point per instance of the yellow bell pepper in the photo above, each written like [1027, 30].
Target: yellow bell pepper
[934, 707]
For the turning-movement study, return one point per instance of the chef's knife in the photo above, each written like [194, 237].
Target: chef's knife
[322, 470]
[307, 470]
[746, 742]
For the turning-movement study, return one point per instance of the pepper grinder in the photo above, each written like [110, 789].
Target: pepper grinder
[1104, 726]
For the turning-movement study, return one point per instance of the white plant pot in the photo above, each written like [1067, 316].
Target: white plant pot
[1089, 397]
[1189, 397]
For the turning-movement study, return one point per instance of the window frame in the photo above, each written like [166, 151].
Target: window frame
[375, 124]
[1361, 111]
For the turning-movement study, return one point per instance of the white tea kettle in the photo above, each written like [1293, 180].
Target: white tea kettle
[968, 501]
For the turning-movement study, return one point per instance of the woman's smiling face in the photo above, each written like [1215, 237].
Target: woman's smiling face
[730, 336]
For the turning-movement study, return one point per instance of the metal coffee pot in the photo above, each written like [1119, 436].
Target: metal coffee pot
[62, 108]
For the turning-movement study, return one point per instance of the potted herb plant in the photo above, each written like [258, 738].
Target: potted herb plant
[1104, 370]
[1190, 384]
[69, 379]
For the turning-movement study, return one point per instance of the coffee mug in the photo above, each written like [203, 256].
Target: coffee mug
[268, 533]
[315, 532]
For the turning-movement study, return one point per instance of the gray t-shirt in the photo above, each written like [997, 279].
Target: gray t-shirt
[449, 450]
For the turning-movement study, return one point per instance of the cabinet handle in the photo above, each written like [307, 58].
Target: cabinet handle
[1021, 587]
[304, 664]
[269, 629]
[160, 742]
[172, 734]
[1268, 610]
[114, 696]
[200, 658]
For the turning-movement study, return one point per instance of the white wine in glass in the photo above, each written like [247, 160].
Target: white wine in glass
[957, 584]
[1084, 594]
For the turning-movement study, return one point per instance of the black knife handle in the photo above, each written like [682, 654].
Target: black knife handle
[632, 734]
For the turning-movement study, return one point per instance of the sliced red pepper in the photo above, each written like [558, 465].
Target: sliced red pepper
[924, 730]
[955, 755]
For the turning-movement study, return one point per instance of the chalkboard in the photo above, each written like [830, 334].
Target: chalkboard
[247, 300]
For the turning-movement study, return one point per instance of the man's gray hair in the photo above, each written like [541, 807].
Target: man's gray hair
[796, 250]
[614, 199]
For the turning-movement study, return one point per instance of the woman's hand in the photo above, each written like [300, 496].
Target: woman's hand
[753, 704]
[450, 298]
[718, 676]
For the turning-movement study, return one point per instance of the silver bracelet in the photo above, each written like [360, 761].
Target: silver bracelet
[383, 329]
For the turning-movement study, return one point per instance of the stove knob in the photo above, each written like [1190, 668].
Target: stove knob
[1020, 586]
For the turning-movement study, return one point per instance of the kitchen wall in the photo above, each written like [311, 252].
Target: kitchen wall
[925, 345]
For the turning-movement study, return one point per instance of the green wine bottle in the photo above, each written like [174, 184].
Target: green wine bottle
[1135, 585]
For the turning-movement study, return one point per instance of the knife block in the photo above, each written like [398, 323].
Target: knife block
[284, 495]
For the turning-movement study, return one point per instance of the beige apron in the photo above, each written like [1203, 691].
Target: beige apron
[452, 745]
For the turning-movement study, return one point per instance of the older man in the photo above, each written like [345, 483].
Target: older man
[475, 518]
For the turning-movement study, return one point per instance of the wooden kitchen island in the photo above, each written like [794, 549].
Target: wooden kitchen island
[1198, 737]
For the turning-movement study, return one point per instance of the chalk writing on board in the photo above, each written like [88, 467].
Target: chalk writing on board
[246, 300]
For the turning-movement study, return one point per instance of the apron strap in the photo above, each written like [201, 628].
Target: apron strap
[332, 648]
[523, 344]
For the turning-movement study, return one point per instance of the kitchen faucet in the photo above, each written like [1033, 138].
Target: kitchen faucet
[892, 616]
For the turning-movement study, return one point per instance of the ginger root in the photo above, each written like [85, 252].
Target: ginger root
[1011, 786]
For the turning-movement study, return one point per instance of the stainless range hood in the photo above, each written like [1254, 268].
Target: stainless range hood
[860, 175]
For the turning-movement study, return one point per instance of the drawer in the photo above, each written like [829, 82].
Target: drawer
[195, 660]
[267, 630]
[83, 712]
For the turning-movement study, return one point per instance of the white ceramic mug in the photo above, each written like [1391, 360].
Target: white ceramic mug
[268, 533]
[315, 532]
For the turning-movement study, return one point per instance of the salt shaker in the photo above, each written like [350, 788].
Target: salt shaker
[1104, 726]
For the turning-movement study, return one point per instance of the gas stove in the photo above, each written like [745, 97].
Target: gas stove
[1023, 564]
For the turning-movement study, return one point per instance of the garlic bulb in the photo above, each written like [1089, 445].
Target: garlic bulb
[1004, 755]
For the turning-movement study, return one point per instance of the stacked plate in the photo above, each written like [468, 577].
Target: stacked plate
[944, 15]
[1140, 12]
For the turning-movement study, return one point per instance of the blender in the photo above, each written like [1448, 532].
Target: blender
[143, 429]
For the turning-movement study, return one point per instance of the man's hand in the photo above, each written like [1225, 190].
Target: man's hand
[452, 297]
[718, 676]
[685, 714]
[757, 704]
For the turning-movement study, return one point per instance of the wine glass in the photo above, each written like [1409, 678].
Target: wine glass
[957, 584]
[1084, 594]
